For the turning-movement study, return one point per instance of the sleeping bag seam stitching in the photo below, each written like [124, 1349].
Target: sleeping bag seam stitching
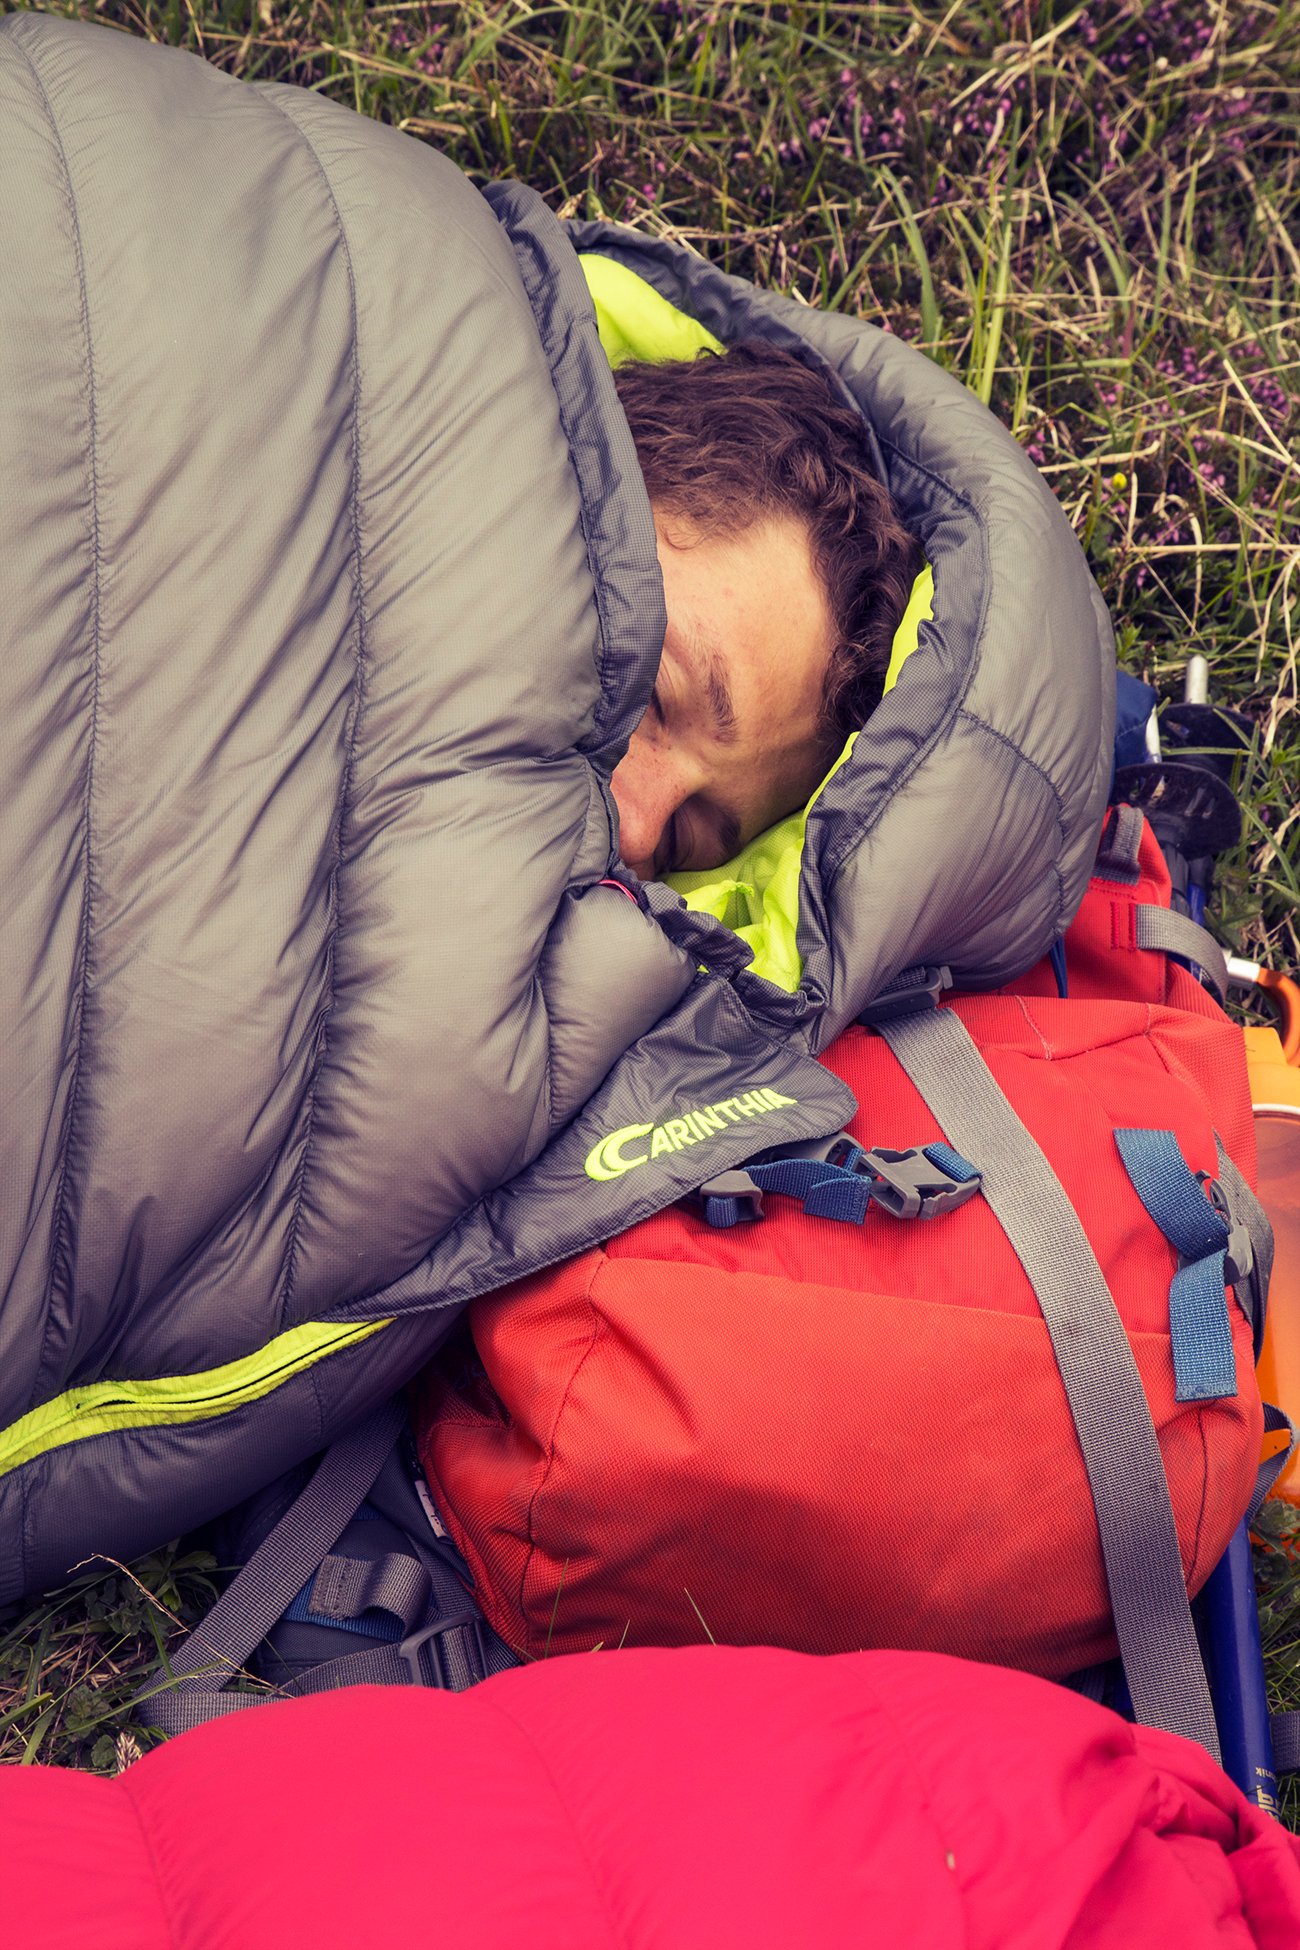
[542, 1481]
[923, 1784]
[548, 1064]
[983, 724]
[969, 717]
[836, 857]
[58, 1230]
[160, 1881]
[285, 1301]
[617, 1936]
[517, 234]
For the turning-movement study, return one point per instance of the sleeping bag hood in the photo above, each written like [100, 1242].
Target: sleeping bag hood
[328, 603]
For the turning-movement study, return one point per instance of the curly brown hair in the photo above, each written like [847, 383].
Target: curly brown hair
[729, 439]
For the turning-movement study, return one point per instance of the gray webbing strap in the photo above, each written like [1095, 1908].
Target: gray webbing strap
[1176, 934]
[345, 1587]
[214, 1652]
[1117, 856]
[1130, 1493]
[1245, 1209]
[450, 1655]
[1285, 1729]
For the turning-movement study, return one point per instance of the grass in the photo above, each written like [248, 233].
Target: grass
[1090, 213]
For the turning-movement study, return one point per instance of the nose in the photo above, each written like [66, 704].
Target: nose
[649, 784]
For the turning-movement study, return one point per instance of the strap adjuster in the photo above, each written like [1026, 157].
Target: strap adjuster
[917, 991]
[732, 1198]
[921, 1182]
[1239, 1250]
[451, 1666]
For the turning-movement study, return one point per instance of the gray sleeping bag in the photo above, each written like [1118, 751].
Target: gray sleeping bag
[328, 602]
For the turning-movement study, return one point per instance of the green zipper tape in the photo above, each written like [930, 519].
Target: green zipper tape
[105, 1405]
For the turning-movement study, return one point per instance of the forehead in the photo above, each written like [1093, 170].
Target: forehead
[749, 627]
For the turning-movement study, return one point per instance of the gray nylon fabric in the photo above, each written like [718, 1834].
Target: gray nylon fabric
[1108, 1405]
[1177, 934]
[328, 602]
[1117, 856]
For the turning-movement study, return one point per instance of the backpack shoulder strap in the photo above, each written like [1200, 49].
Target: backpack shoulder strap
[194, 1684]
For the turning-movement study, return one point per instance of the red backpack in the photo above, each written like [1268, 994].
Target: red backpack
[830, 1436]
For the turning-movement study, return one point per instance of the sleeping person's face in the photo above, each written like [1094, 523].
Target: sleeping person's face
[733, 738]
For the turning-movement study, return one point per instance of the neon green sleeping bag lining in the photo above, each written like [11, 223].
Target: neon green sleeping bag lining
[756, 895]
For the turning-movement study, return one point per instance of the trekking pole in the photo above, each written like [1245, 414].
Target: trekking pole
[1230, 1615]
[1228, 1606]
[1283, 994]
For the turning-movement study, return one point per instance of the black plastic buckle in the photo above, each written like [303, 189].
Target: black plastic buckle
[1238, 1257]
[733, 1184]
[917, 992]
[908, 1185]
[450, 1664]
[1239, 1252]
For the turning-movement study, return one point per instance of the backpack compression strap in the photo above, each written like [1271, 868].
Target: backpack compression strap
[1171, 933]
[1135, 1519]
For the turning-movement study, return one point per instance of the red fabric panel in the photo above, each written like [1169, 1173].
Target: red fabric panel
[646, 1801]
[1102, 957]
[822, 1436]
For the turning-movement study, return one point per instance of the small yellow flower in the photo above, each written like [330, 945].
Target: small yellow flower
[1119, 482]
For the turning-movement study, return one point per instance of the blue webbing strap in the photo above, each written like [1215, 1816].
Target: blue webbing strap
[826, 1191]
[1111, 1414]
[1200, 1332]
[846, 1186]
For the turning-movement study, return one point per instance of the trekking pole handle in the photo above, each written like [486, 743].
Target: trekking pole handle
[1282, 992]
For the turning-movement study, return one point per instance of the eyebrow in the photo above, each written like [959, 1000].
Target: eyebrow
[704, 655]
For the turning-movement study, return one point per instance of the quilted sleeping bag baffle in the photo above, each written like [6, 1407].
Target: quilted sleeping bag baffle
[328, 603]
